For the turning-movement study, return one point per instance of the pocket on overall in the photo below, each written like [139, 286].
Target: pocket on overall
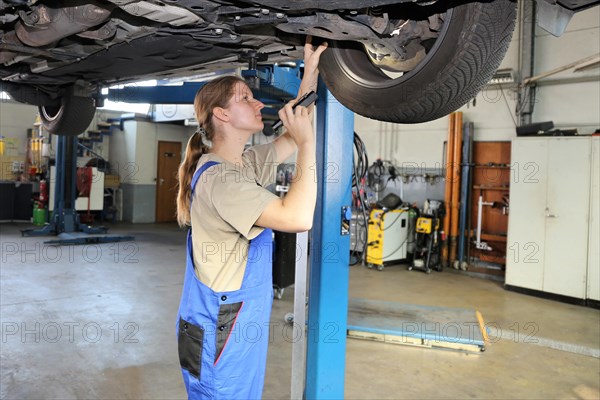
[228, 314]
[189, 343]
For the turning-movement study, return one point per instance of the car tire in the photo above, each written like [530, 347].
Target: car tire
[469, 49]
[71, 117]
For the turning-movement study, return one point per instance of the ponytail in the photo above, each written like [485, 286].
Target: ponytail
[193, 151]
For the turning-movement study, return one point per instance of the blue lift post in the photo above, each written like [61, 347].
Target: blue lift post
[330, 251]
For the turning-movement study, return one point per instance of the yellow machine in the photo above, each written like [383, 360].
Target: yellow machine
[427, 244]
[425, 225]
[387, 237]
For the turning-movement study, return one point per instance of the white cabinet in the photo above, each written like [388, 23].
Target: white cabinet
[551, 245]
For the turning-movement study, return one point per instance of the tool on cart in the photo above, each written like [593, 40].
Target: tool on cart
[427, 254]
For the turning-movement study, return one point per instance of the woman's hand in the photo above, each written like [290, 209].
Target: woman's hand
[295, 211]
[289, 142]
[298, 123]
[312, 56]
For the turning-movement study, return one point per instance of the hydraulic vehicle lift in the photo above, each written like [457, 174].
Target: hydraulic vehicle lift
[318, 358]
[64, 221]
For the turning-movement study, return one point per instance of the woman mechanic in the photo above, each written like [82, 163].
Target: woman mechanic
[223, 322]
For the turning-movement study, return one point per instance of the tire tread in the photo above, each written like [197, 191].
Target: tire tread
[482, 45]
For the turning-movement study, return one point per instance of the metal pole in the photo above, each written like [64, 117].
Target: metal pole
[464, 193]
[59, 177]
[299, 323]
[70, 171]
[448, 189]
[330, 252]
[479, 215]
[526, 94]
[455, 202]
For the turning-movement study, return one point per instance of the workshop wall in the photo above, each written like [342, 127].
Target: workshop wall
[134, 155]
[15, 119]
[559, 99]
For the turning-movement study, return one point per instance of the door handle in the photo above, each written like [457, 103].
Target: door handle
[161, 181]
[548, 215]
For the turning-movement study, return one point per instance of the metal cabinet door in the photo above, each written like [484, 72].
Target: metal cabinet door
[527, 223]
[567, 216]
[593, 278]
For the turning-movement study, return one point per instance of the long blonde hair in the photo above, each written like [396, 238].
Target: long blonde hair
[216, 93]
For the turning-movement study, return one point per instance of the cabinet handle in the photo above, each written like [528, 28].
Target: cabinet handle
[548, 215]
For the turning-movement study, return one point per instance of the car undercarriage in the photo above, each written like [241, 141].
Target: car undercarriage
[431, 56]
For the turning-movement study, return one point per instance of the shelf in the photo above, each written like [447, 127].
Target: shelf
[502, 188]
[487, 271]
[493, 238]
[492, 178]
[482, 255]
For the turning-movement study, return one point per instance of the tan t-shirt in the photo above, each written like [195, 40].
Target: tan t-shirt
[228, 200]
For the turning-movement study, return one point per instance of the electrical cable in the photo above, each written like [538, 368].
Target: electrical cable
[405, 241]
[522, 102]
[528, 99]
[361, 163]
[508, 106]
[377, 171]
[375, 176]
[392, 224]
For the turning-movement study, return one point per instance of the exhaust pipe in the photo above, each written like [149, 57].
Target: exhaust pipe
[46, 25]
[51, 24]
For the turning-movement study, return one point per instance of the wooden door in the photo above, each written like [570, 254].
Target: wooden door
[169, 158]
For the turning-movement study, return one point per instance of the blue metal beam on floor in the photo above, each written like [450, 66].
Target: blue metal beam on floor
[417, 325]
[330, 252]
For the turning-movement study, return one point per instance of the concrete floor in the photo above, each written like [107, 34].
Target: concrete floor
[98, 321]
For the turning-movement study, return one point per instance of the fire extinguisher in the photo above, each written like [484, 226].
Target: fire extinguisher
[43, 191]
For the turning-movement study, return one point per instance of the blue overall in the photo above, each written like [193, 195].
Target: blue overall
[223, 336]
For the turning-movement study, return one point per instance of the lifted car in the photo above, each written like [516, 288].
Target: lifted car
[404, 61]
